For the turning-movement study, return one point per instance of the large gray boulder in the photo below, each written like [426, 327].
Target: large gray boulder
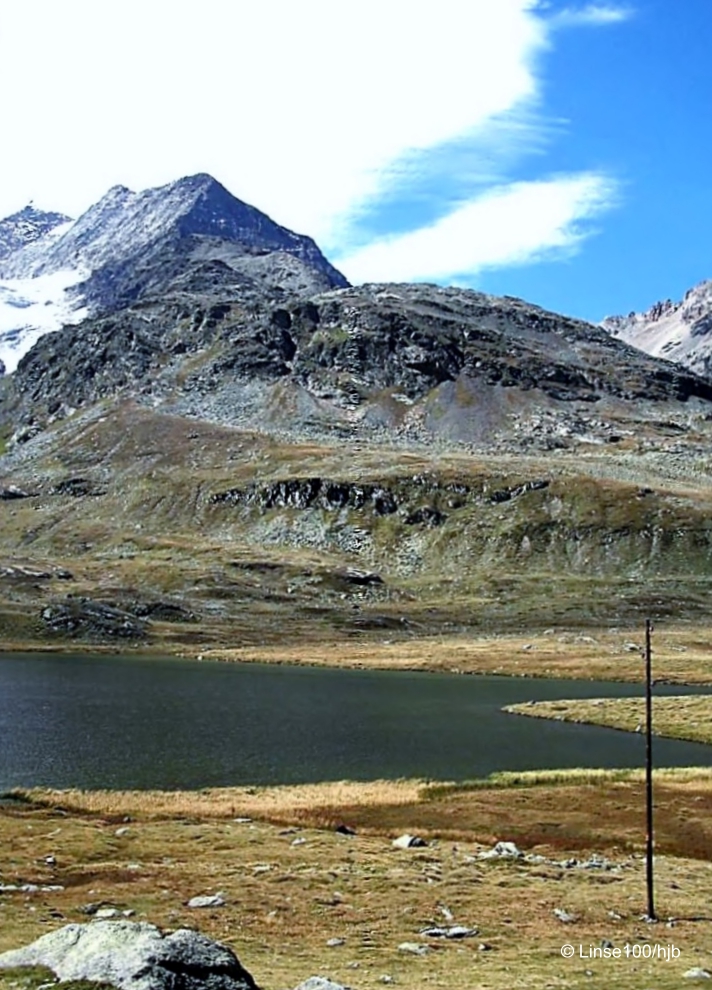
[134, 956]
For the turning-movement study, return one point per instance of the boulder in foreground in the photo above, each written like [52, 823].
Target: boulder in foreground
[134, 956]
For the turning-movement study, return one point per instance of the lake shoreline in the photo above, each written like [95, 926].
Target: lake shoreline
[682, 654]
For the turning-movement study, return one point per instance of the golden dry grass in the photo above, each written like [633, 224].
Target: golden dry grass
[290, 890]
[231, 802]
[681, 717]
[683, 655]
[313, 802]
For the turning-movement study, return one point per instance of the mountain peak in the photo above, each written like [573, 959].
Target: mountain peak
[201, 180]
[678, 331]
[117, 194]
[124, 224]
[26, 226]
[131, 245]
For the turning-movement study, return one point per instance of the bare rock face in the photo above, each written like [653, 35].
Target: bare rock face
[84, 618]
[418, 359]
[677, 331]
[134, 956]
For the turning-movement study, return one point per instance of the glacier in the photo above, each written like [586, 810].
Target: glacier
[32, 307]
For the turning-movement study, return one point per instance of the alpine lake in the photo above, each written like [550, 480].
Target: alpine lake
[85, 721]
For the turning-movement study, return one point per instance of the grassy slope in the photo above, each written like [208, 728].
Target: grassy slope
[615, 536]
[679, 718]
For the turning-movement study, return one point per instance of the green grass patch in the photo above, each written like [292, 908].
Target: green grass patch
[35, 977]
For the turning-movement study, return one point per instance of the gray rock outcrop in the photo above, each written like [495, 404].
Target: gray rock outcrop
[83, 617]
[207, 901]
[408, 841]
[10, 493]
[134, 956]
[454, 931]
[502, 850]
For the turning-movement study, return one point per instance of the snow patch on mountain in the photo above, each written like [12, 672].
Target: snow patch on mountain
[121, 243]
[32, 307]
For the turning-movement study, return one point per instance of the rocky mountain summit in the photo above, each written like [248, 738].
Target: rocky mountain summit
[677, 331]
[123, 224]
[130, 244]
[25, 227]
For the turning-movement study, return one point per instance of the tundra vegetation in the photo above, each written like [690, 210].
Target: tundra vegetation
[291, 882]
[218, 542]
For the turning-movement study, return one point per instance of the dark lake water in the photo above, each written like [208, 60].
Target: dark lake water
[137, 723]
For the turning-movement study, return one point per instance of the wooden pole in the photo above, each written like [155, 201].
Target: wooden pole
[649, 771]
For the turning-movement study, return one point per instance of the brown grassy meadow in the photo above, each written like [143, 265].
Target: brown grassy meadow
[291, 882]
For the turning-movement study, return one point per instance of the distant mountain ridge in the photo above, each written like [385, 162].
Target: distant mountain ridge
[677, 331]
[131, 243]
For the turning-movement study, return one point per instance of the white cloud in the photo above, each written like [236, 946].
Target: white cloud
[311, 111]
[299, 108]
[592, 14]
[514, 224]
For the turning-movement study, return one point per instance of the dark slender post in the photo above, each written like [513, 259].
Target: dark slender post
[649, 770]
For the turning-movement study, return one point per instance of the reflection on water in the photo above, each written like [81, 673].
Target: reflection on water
[146, 723]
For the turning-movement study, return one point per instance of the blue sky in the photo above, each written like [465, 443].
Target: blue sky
[637, 96]
[556, 151]
[625, 93]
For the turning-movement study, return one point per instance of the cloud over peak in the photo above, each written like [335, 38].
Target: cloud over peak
[391, 133]
[513, 224]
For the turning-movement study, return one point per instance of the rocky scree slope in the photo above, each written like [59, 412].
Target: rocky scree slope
[677, 331]
[416, 361]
